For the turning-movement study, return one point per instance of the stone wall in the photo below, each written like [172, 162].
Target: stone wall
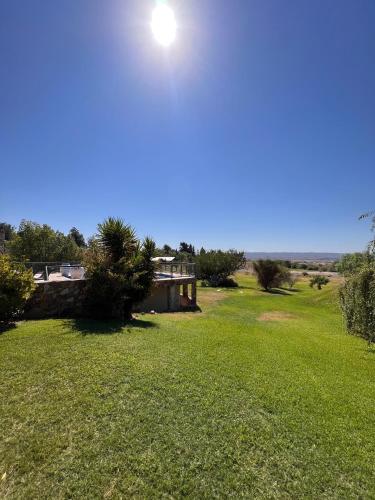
[56, 299]
[64, 299]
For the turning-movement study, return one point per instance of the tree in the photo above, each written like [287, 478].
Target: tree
[357, 298]
[270, 274]
[40, 243]
[319, 281]
[215, 266]
[8, 230]
[168, 251]
[77, 237]
[186, 248]
[16, 286]
[119, 269]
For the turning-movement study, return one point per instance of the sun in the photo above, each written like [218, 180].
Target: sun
[163, 25]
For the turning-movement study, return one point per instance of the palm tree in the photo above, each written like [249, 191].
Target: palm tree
[117, 238]
[120, 269]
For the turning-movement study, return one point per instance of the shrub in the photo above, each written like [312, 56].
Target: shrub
[352, 262]
[270, 274]
[16, 286]
[319, 281]
[119, 269]
[357, 298]
[215, 266]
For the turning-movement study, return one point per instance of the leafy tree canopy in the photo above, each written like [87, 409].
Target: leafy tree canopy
[77, 237]
[40, 243]
[215, 266]
[8, 230]
[271, 274]
[186, 248]
[319, 281]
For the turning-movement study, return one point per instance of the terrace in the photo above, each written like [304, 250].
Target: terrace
[61, 289]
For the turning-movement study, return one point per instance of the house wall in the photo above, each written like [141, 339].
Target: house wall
[161, 299]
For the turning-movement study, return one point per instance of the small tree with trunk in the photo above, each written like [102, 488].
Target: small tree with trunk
[270, 274]
[319, 281]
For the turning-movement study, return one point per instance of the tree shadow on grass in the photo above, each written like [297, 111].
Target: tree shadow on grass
[96, 327]
[5, 327]
[290, 289]
[276, 291]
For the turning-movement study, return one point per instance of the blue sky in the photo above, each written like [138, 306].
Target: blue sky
[254, 130]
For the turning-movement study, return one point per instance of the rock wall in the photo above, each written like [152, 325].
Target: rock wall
[56, 299]
[65, 299]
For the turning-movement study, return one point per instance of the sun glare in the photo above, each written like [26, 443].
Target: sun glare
[163, 25]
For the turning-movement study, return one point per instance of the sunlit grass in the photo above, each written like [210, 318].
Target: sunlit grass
[259, 395]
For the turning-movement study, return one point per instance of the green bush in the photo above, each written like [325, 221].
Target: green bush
[357, 297]
[16, 286]
[215, 266]
[319, 281]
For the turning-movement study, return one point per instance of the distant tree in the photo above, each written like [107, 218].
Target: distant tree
[186, 248]
[40, 243]
[215, 266]
[167, 250]
[318, 280]
[270, 274]
[285, 263]
[77, 237]
[202, 251]
[9, 231]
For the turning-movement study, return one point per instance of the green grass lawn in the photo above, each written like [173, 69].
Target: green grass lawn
[260, 395]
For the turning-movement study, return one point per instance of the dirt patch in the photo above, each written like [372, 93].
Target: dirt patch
[206, 299]
[211, 297]
[276, 316]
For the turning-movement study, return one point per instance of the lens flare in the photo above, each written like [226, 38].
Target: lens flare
[163, 25]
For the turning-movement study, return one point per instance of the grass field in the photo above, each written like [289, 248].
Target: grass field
[259, 396]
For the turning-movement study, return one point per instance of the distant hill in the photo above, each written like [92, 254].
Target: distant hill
[296, 256]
